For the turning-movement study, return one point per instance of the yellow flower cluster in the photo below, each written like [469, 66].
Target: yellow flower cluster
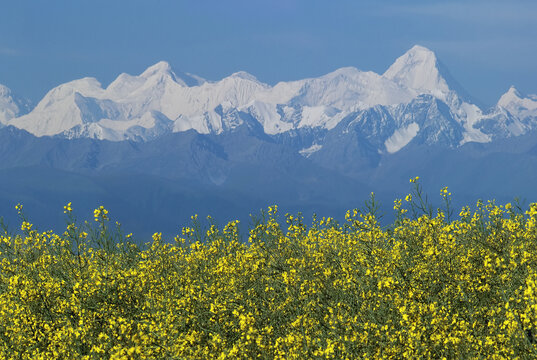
[98, 214]
[67, 209]
[424, 288]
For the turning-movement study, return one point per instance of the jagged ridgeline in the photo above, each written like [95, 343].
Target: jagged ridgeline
[162, 145]
[159, 101]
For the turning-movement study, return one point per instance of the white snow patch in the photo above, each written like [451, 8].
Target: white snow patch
[516, 128]
[473, 115]
[184, 123]
[313, 116]
[267, 114]
[306, 152]
[146, 121]
[401, 137]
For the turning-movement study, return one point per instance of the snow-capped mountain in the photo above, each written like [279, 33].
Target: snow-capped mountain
[11, 105]
[418, 69]
[522, 107]
[414, 100]
[513, 115]
[236, 145]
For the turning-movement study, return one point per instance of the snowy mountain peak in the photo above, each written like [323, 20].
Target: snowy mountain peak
[163, 71]
[422, 50]
[521, 106]
[11, 105]
[417, 58]
[160, 68]
[87, 86]
[512, 88]
[4, 91]
[511, 95]
[348, 71]
[244, 75]
[418, 69]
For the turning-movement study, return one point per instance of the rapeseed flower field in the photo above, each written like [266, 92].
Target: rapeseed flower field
[435, 284]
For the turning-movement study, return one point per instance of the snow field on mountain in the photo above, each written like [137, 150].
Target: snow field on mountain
[401, 137]
[158, 101]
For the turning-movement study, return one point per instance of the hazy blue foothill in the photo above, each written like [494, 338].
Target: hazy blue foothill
[156, 186]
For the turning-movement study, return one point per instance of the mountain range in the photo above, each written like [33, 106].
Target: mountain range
[162, 145]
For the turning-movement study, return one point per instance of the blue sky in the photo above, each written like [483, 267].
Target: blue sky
[487, 45]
